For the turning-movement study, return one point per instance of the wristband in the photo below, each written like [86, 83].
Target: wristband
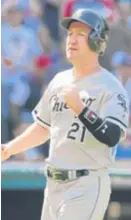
[90, 119]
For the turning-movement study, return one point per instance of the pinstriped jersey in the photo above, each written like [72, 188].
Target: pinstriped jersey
[72, 146]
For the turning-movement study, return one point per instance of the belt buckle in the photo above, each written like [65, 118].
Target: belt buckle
[55, 177]
[58, 175]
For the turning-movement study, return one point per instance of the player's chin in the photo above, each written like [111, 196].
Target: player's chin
[71, 56]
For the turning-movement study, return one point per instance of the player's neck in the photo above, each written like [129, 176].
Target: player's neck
[86, 68]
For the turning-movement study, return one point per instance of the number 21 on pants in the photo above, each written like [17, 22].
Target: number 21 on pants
[76, 128]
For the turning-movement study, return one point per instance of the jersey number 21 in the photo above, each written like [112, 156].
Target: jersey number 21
[75, 127]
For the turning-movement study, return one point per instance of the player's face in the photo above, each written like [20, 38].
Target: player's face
[77, 42]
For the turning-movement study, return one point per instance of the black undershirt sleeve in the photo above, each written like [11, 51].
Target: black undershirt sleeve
[104, 131]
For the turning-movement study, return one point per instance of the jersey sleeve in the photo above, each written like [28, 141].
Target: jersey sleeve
[41, 112]
[116, 109]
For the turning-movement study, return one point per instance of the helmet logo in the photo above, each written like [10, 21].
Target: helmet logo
[78, 13]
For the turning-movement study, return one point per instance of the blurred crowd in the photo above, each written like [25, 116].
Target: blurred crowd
[33, 51]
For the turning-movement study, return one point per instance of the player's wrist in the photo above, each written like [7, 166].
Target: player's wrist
[5, 154]
[90, 118]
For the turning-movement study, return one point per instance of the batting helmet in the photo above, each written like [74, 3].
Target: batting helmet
[98, 36]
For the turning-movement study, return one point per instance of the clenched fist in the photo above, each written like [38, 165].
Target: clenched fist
[4, 153]
[72, 98]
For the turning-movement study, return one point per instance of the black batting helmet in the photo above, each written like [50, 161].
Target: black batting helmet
[98, 36]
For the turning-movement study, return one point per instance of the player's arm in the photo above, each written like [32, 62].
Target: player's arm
[107, 130]
[34, 135]
[104, 131]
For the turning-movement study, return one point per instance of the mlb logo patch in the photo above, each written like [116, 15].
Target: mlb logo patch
[90, 116]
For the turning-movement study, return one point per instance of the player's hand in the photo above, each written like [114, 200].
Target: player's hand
[4, 153]
[72, 98]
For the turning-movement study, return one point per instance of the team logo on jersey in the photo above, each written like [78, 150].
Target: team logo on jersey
[57, 105]
[122, 101]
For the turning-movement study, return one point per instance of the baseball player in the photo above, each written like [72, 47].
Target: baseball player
[84, 112]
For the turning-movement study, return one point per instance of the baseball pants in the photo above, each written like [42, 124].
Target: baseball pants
[86, 198]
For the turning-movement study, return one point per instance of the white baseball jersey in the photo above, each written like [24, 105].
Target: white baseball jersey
[72, 146]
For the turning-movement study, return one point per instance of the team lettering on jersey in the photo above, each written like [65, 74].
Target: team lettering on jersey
[59, 106]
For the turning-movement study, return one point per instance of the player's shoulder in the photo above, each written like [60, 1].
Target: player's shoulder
[59, 79]
[113, 83]
[66, 73]
[62, 76]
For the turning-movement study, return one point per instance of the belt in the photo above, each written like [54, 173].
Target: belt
[59, 175]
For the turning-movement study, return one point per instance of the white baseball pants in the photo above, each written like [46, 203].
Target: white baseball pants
[86, 198]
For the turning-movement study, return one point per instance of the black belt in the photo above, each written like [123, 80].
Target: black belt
[63, 175]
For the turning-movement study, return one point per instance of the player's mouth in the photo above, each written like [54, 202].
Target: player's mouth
[72, 49]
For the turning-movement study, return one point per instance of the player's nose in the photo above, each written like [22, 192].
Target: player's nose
[72, 39]
[72, 45]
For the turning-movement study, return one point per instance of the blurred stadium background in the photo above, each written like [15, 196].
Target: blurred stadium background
[32, 53]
